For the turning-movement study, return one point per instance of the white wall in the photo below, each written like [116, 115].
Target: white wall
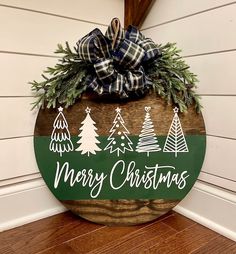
[205, 31]
[30, 32]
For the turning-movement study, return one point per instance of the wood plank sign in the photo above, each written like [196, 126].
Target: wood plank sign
[120, 138]
[120, 162]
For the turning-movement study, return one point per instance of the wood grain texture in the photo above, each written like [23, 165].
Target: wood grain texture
[101, 237]
[170, 234]
[38, 236]
[120, 212]
[136, 239]
[184, 241]
[149, 236]
[220, 244]
[129, 12]
[178, 222]
[103, 113]
[136, 12]
[60, 249]
[144, 6]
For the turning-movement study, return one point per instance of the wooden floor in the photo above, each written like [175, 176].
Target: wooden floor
[66, 233]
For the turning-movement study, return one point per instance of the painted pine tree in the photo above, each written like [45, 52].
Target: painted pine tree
[88, 137]
[60, 137]
[119, 141]
[148, 142]
[175, 141]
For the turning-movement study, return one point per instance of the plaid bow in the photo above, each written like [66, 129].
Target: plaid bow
[118, 59]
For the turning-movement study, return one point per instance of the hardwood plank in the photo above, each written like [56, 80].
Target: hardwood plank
[7, 250]
[220, 245]
[66, 233]
[12, 235]
[44, 234]
[184, 241]
[178, 222]
[52, 237]
[100, 238]
[155, 231]
[141, 247]
[60, 249]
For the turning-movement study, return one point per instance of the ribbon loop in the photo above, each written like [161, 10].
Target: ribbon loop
[129, 55]
[115, 33]
[118, 59]
[93, 46]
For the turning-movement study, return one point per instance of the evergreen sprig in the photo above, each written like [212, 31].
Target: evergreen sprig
[66, 82]
[170, 75]
[172, 79]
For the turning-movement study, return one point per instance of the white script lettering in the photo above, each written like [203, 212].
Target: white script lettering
[84, 177]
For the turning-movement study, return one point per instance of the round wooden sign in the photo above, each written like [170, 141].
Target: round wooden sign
[119, 163]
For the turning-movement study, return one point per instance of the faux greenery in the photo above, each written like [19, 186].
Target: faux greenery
[171, 78]
[65, 83]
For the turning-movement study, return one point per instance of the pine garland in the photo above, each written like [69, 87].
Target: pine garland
[66, 82]
[170, 75]
[172, 79]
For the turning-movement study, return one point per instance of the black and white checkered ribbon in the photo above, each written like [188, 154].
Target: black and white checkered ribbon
[118, 59]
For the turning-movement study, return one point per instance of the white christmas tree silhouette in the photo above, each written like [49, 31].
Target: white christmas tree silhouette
[88, 137]
[60, 137]
[148, 142]
[175, 141]
[118, 140]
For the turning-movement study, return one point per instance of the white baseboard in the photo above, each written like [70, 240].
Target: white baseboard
[212, 207]
[26, 202]
[30, 201]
